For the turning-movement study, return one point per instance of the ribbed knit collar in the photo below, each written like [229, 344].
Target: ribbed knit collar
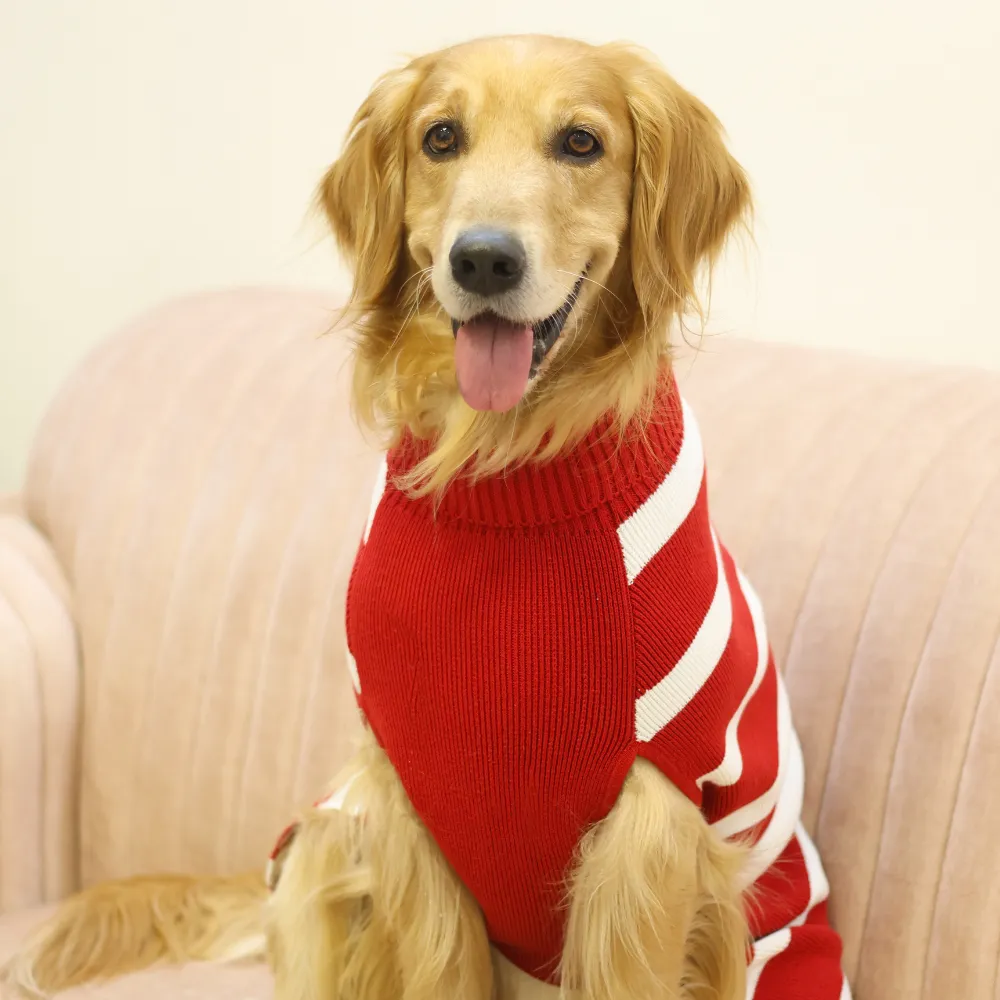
[604, 468]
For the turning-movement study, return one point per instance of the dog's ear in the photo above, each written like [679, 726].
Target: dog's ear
[688, 192]
[362, 194]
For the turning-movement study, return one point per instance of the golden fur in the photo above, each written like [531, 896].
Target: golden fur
[654, 908]
[647, 217]
[370, 910]
[121, 927]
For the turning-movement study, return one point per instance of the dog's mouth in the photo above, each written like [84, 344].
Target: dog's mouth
[495, 357]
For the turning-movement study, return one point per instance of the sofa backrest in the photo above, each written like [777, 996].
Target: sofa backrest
[205, 489]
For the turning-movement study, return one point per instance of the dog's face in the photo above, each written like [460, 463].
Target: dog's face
[518, 180]
[525, 216]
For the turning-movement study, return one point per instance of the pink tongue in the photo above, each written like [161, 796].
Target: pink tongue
[492, 360]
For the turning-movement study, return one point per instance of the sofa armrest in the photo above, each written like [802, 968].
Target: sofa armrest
[39, 719]
[203, 484]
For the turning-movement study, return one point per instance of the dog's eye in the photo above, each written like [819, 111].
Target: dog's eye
[441, 140]
[581, 144]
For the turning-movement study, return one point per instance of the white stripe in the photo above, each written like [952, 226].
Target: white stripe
[730, 770]
[755, 812]
[819, 887]
[334, 802]
[654, 523]
[781, 829]
[352, 669]
[774, 944]
[379, 489]
[662, 702]
[763, 951]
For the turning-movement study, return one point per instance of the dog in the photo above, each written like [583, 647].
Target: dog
[579, 776]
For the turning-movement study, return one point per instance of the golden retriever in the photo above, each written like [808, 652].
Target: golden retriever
[527, 218]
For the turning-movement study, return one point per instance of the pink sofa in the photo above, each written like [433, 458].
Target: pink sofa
[172, 683]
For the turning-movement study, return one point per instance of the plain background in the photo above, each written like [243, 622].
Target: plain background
[153, 147]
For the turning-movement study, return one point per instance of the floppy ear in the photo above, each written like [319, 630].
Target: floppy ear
[688, 192]
[363, 193]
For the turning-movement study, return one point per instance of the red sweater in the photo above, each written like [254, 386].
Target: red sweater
[518, 643]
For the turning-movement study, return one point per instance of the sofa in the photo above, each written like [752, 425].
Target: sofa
[172, 575]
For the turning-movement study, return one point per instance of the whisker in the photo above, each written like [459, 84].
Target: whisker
[402, 326]
[424, 278]
[416, 274]
[414, 298]
[559, 270]
[422, 287]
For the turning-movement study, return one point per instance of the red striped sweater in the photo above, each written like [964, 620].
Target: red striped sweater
[518, 647]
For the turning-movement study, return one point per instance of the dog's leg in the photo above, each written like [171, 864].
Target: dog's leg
[367, 908]
[319, 919]
[441, 943]
[655, 906]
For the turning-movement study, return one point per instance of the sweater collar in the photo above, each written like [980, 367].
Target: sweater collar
[604, 469]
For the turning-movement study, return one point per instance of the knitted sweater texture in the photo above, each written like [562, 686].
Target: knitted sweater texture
[519, 642]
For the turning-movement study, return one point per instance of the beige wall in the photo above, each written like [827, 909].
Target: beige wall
[149, 147]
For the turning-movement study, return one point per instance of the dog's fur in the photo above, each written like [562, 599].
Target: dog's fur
[370, 910]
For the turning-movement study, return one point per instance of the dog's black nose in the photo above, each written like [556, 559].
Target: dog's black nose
[487, 261]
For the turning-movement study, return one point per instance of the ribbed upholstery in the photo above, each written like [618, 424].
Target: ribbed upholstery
[863, 499]
[39, 712]
[200, 485]
[203, 489]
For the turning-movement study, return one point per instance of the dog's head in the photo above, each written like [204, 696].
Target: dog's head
[525, 216]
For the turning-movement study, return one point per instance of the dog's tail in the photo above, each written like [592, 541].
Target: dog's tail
[121, 927]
